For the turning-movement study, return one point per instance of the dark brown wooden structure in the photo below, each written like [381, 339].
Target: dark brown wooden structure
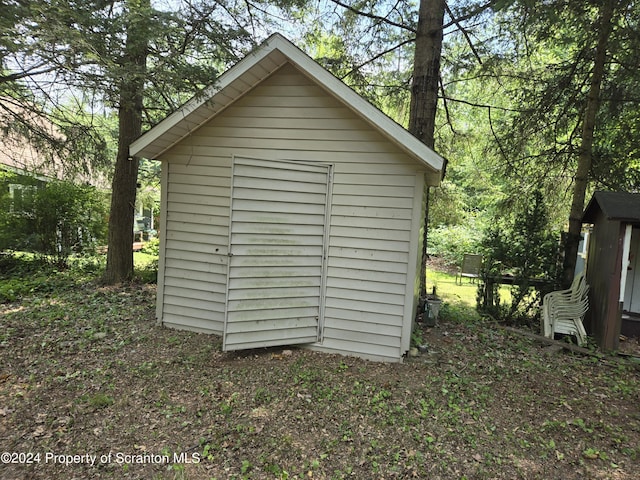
[613, 267]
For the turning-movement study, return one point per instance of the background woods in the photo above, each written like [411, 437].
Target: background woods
[523, 99]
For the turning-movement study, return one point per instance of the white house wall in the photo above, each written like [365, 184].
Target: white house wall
[373, 218]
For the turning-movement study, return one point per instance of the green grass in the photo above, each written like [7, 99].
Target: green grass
[459, 300]
[142, 260]
[447, 289]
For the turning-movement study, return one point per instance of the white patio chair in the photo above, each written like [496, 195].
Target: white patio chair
[563, 310]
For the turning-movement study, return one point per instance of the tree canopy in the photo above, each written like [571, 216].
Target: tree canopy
[132, 57]
[532, 97]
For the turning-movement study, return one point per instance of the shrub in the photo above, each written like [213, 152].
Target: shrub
[148, 273]
[451, 242]
[60, 219]
[522, 245]
[152, 247]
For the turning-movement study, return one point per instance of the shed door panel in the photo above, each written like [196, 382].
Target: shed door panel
[277, 248]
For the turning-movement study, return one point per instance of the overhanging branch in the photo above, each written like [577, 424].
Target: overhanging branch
[464, 33]
[374, 17]
[377, 56]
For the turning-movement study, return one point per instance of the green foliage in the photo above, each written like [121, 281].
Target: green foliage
[68, 218]
[371, 56]
[24, 274]
[146, 261]
[147, 272]
[448, 204]
[451, 242]
[99, 400]
[20, 265]
[152, 247]
[458, 312]
[459, 208]
[58, 219]
[416, 336]
[520, 245]
[546, 73]
[189, 44]
[16, 194]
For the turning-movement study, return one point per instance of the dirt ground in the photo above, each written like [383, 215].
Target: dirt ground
[91, 388]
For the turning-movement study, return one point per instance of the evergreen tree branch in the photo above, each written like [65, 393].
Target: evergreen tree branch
[464, 32]
[476, 11]
[377, 56]
[446, 106]
[373, 16]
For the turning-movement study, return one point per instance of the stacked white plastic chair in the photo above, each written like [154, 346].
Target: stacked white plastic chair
[563, 310]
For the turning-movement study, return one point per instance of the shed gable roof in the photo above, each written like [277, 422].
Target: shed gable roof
[620, 206]
[249, 72]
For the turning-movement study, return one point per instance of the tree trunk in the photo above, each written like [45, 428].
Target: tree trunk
[586, 146]
[424, 91]
[426, 70]
[125, 178]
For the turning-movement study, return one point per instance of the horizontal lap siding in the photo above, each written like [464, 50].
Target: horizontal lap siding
[287, 117]
[368, 261]
[267, 223]
[196, 243]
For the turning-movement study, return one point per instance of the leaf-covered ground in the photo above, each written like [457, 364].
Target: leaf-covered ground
[85, 371]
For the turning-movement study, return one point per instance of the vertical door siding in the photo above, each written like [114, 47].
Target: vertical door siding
[277, 249]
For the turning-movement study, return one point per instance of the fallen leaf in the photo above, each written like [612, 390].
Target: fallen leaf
[591, 454]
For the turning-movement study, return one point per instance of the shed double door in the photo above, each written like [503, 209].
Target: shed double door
[278, 234]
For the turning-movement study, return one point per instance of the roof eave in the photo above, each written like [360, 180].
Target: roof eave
[394, 131]
[143, 146]
[147, 145]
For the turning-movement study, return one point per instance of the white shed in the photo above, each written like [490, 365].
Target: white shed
[291, 211]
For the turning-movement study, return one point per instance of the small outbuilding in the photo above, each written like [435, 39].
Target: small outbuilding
[613, 267]
[291, 211]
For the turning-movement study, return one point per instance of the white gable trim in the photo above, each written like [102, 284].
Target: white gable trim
[250, 71]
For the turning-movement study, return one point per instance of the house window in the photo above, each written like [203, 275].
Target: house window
[22, 197]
